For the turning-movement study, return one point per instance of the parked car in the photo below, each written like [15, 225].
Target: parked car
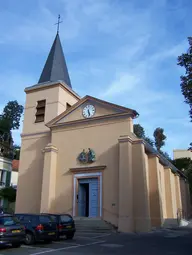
[11, 230]
[65, 225]
[38, 228]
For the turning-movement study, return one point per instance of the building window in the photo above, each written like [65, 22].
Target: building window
[68, 106]
[2, 178]
[40, 111]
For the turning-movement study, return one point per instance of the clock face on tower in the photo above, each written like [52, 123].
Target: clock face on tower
[88, 111]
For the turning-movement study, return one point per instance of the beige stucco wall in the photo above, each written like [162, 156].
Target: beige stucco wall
[30, 173]
[155, 191]
[101, 110]
[125, 186]
[102, 137]
[163, 190]
[56, 99]
[178, 192]
[141, 200]
[182, 154]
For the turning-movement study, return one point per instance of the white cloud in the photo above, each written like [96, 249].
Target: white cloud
[123, 83]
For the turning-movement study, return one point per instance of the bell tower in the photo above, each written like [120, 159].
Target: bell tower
[52, 95]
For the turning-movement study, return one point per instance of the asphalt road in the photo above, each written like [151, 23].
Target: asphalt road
[159, 243]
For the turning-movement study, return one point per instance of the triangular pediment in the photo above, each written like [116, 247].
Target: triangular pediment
[101, 109]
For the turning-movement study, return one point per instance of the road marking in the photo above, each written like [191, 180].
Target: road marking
[83, 237]
[67, 248]
[65, 243]
[29, 247]
[95, 237]
[33, 247]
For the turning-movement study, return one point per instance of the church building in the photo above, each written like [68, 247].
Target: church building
[80, 156]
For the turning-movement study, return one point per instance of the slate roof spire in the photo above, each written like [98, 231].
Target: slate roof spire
[55, 67]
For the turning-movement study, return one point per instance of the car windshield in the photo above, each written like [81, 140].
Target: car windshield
[8, 220]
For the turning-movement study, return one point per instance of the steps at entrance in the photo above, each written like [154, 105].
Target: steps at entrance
[96, 225]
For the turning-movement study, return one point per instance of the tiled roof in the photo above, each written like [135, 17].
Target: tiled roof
[15, 165]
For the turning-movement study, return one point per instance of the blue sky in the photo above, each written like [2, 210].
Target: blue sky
[121, 51]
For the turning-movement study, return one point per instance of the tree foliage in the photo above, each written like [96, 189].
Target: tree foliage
[9, 120]
[165, 154]
[159, 137]
[149, 140]
[185, 165]
[12, 114]
[16, 151]
[185, 60]
[139, 130]
[8, 193]
[140, 133]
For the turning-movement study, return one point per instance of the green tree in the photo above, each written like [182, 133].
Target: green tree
[5, 129]
[149, 140]
[140, 133]
[185, 60]
[16, 151]
[159, 137]
[185, 165]
[8, 193]
[165, 154]
[181, 163]
[139, 130]
[12, 114]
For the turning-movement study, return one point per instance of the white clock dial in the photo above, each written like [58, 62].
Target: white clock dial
[88, 111]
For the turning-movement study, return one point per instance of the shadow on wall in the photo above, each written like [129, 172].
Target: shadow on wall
[30, 182]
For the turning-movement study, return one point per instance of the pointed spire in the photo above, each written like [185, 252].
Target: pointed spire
[55, 67]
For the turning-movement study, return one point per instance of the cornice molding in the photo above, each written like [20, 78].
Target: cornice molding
[50, 148]
[87, 169]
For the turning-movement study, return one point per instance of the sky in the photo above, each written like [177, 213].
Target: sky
[121, 51]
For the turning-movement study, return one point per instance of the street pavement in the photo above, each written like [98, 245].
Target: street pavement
[161, 242]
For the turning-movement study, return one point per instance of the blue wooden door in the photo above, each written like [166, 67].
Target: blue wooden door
[81, 200]
[93, 198]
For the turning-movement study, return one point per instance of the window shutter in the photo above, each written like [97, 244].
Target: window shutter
[8, 179]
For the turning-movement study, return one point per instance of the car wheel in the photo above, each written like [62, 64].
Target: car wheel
[70, 236]
[16, 245]
[29, 238]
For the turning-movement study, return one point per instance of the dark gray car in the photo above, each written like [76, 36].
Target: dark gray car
[11, 230]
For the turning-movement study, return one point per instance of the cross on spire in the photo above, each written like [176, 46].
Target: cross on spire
[58, 23]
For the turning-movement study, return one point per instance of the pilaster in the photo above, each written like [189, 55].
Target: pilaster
[178, 192]
[141, 206]
[170, 191]
[125, 220]
[156, 212]
[49, 178]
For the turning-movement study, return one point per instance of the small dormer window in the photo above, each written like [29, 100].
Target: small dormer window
[68, 106]
[40, 111]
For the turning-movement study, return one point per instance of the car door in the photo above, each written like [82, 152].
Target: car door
[48, 223]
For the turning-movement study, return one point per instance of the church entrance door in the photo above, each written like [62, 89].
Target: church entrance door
[88, 197]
